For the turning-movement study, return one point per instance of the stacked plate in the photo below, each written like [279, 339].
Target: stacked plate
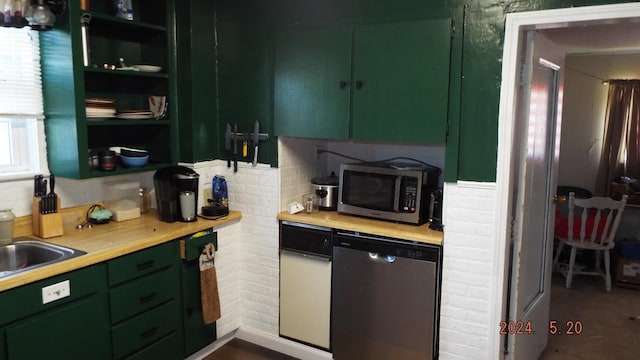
[135, 114]
[100, 108]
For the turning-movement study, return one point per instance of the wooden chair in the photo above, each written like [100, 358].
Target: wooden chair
[591, 228]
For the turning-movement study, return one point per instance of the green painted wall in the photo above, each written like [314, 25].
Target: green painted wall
[245, 33]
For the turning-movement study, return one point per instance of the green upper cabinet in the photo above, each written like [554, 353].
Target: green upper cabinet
[372, 82]
[401, 81]
[69, 79]
[312, 77]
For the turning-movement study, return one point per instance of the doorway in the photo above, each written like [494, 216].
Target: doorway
[561, 21]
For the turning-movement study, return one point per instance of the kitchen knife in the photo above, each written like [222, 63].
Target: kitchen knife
[44, 205]
[235, 147]
[227, 144]
[37, 185]
[52, 194]
[256, 140]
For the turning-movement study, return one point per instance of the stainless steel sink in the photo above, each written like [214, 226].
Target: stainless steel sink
[27, 254]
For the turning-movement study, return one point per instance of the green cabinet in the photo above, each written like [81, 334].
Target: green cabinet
[73, 133]
[373, 82]
[68, 328]
[197, 334]
[145, 303]
[312, 76]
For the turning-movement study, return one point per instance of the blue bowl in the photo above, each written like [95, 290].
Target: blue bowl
[134, 161]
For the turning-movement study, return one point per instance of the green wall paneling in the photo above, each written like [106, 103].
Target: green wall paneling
[244, 29]
[197, 85]
[245, 52]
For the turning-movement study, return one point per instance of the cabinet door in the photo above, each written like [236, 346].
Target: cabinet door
[70, 332]
[197, 334]
[401, 79]
[312, 70]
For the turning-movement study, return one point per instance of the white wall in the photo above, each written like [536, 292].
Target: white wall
[583, 113]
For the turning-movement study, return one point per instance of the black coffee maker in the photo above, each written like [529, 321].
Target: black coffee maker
[176, 193]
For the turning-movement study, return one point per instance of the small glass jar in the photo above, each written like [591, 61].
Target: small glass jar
[145, 200]
[107, 160]
[6, 226]
[309, 203]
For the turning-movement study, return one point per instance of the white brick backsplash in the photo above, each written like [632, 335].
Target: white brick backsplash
[468, 282]
[247, 262]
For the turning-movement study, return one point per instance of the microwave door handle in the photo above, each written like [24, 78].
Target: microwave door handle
[396, 203]
[432, 203]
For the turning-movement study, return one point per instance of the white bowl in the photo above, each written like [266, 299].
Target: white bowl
[147, 68]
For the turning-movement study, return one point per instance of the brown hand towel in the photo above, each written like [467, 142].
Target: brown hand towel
[209, 287]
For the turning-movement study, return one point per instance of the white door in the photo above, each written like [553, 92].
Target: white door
[539, 104]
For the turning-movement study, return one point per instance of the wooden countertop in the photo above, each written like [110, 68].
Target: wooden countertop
[335, 220]
[108, 241]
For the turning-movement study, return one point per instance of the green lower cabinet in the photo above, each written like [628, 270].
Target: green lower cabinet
[146, 329]
[67, 329]
[70, 332]
[370, 82]
[196, 334]
[145, 303]
[143, 294]
[169, 347]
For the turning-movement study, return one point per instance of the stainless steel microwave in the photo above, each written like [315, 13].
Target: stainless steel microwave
[398, 192]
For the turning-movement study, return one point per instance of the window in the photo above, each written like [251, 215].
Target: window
[20, 102]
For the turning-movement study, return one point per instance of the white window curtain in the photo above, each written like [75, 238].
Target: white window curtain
[21, 102]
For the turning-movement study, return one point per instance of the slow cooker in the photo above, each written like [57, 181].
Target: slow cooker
[326, 191]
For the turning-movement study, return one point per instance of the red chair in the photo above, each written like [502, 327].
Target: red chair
[591, 224]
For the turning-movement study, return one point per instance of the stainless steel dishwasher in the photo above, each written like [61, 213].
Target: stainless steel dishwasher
[385, 298]
[305, 283]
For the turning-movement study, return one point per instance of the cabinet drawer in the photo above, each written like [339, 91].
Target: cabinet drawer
[145, 329]
[141, 263]
[144, 293]
[191, 248]
[81, 283]
[167, 348]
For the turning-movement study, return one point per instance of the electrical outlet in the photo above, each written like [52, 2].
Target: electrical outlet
[206, 194]
[317, 149]
[56, 292]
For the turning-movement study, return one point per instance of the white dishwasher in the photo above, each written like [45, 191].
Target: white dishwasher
[305, 284]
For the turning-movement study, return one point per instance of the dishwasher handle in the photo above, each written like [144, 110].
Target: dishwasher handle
[382, 258]
[306, 254]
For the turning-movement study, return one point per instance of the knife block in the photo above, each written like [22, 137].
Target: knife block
[45, 225]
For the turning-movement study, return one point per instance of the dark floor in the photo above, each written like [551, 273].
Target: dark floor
[237, 349]
[610, 325]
